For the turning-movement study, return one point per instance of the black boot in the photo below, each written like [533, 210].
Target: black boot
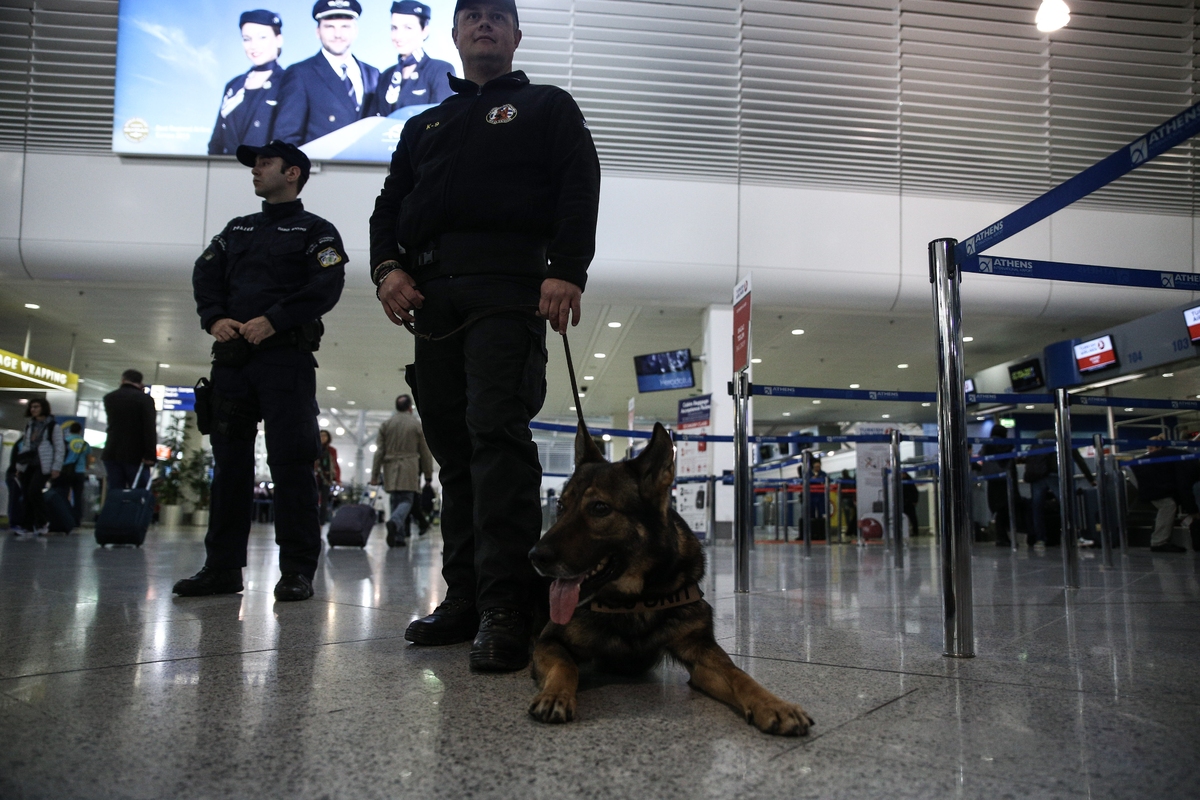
[210, 581]
[452, 622]
[503, 641]
[293, 586]
[394, 539]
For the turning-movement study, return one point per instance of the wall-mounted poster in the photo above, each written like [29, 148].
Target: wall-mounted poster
[338, 78]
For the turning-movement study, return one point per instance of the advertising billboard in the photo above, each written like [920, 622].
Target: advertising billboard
[659, 372]
[200, 78]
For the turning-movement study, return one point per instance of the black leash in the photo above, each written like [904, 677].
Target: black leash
[574, 385]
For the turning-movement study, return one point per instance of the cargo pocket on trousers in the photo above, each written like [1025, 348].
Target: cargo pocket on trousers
[533, 383]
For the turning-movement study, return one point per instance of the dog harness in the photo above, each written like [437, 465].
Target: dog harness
[688, 594]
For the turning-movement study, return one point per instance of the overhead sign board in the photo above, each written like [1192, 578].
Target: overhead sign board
[741, 326]
[173, 398]
[17, 372]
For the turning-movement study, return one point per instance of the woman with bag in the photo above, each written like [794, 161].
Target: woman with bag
[39, 459]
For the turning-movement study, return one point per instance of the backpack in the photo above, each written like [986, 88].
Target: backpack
[1038, 467]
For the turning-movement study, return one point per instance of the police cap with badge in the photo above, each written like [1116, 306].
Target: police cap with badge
[292, 156]
[326, 9]
[260, 16]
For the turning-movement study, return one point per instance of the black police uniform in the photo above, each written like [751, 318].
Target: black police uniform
[487, 195]
[246, 116]
[288, 265]
[428, 84]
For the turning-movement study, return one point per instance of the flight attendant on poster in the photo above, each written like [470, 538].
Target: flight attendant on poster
[416, 79]
[248, 105]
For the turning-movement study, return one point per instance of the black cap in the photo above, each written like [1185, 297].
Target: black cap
[261, 16]
[508, 5]
[336, 8]
[419, 10]
[292, 156]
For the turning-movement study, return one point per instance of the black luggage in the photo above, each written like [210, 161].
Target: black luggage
[58, 511]
[351, 526]
[126, 516]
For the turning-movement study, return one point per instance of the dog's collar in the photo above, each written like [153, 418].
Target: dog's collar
[688, 594]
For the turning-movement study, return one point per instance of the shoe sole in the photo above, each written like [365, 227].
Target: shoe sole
[208, 593]
[293, 599]
[427, 639]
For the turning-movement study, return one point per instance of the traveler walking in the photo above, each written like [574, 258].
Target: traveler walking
[132, 433]
[39, 460]
[488, 212]
[401, 458]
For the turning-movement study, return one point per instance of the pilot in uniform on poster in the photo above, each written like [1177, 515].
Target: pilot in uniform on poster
[333, 88]
[416, 79]
[248, 105]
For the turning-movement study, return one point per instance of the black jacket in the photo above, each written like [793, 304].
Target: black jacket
[132, 434]
[282, 263]
[250, 118]
[1160, 481]
[499, 179]
[313, 101]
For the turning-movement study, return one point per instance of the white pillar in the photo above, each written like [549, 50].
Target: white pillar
[718, 371]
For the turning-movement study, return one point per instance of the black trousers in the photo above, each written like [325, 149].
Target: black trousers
[280, 388]
[477, 392]
[33, 481]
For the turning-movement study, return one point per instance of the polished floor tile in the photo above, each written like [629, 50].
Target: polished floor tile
[111, 687]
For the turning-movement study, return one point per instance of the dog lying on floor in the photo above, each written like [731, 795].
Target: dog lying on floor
[626, 572]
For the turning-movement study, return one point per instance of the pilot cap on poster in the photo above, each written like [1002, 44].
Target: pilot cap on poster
[325, 9]
[508, 5]
[412, 7]
[261, 16]
[292, 156]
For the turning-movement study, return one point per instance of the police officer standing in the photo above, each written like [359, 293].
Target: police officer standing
[487, 217]
[261, 287]
[248, 105]
[333, 88]
[416, 79]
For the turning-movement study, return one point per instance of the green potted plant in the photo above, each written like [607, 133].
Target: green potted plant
[169, 487]
[195, 470]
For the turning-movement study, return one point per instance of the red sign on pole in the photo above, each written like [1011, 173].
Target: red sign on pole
[741, 326]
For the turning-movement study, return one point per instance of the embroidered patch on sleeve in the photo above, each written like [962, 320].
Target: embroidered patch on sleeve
[328, 257]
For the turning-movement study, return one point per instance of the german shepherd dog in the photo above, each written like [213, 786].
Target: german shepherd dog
[626, 572]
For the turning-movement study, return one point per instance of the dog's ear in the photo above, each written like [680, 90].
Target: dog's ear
[586, 451]
[656, 465]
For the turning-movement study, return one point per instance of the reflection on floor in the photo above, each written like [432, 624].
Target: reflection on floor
[110, 687]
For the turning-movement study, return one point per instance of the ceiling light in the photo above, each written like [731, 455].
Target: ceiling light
[1052, 15]
[340, 431]
[797, 331]
[787, 413]
[589, 377]
[902, 366]
[854, 386]
[323, 422]
[980, 419]
[570, 408]
[165, 366]
[614, 324]
[373, 448]
[349, 463]
[1029, 408]
[109, 341]
[887, 416]
[926, 405]
[332, 410]
[598, 355]
[968, 338]
[606, 437]
[830, 453]
[1129, 409]
[331, 388]
[1168, 374]
[351, 402]
[34, 306]
[756, 361]
[816, 402]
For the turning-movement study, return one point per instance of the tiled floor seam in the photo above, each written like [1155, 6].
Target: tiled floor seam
[813, 739]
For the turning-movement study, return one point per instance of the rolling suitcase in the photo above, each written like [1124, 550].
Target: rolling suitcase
[58, 511]
[351, 526]
[126, 516]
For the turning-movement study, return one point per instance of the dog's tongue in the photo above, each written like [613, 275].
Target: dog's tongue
[564, 596]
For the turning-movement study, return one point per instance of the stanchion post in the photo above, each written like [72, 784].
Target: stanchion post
[1066, 488]
[897, 501]
[887, 508]
[1122, 504]
[712, 508]
[780, 510]
[743, 488]
[827, 501]
[806, 493]
[954, 467]
[1102, 483]
[1011, 487]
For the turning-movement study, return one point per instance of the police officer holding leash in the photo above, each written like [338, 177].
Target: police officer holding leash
[486, 222]
[261, 287]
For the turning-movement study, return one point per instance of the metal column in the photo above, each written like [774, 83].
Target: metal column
[1011, 486]
[953, 462]
[1066, 488]
[886, 479]
[828, 512]
[806, 493]
[1102, 487]
[743, 488]
[712, 508]
[897, 501]
[1122, 503]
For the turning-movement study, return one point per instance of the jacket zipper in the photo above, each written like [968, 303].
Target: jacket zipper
[458, 154]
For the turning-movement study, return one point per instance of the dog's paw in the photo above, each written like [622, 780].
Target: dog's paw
[776, 717]
[553, 707]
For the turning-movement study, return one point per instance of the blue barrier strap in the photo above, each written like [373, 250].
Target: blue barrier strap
[1000, 476]
[1172, 132]
[1137, 462]
[843, 394]
[1133, 402]
[979, 397]
[1153, 443]
[1081, 273]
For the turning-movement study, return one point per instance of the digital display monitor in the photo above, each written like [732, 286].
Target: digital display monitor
[1192, 318]
[969, 386]
[173, 398]
[1095, 354]
[200, 79]
[659, 372]
[1026, 376]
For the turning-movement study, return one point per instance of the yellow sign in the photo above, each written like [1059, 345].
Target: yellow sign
[21, 373]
